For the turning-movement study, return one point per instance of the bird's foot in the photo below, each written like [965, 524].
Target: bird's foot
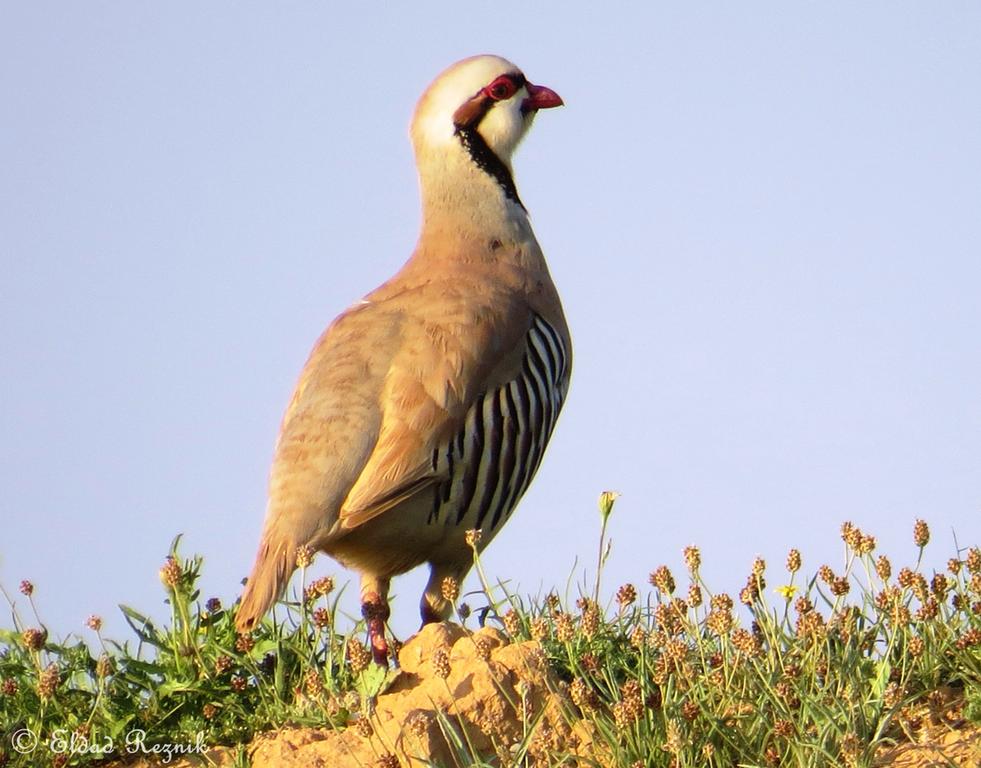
[379, 647]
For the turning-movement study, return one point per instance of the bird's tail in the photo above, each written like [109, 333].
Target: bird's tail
[274, 564]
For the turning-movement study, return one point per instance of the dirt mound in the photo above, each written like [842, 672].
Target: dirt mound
[484, 700]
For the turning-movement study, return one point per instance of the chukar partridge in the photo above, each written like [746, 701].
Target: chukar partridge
[424, 409]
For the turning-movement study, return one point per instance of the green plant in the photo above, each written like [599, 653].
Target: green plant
[814, 672]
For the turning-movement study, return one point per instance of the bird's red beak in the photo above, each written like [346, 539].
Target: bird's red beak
[540, 97]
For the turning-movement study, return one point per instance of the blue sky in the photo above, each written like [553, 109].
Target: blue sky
[763, 220]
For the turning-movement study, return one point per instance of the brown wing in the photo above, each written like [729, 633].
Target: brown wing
[484, 438]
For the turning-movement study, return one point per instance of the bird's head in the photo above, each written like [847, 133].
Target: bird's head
[483, 106]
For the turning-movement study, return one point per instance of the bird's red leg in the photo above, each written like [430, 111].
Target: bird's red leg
[374, 608]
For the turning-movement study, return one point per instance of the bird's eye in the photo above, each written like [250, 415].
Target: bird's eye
[502, 88]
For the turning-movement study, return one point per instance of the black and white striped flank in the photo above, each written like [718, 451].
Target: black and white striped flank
[491, 461]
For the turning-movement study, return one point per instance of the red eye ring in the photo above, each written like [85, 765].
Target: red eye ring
[502, 88]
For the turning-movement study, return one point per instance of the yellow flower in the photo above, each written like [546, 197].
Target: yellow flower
[606, 501]
[788, 591]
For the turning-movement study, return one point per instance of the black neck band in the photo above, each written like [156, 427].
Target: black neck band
[487, 161]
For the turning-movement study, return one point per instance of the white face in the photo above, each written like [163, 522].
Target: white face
[504, 125]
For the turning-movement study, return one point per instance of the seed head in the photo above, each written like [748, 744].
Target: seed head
[483, 647]
[419, 723]
[239, 683]
[539, 628]
[839, 587]
[319, 588]
[674, 741]
[94, 622]
[901, 616]
[387, 760]
[589, 662]
[826, 574]
[583, 695]
[783, 728]
[883, 568]
[553, 602]
[34, 639]
[920, 586]
[450, 589]
[915, 646]
[851, 746]
[364, 728]
[244, 643]
[667, 619]
[939, 586]
[810, 624]
[321, 618]
[693, 558]
[304, 556]
[626, 595]
[26, 588]
[746, 643]
[170, 573]
[793, 561]
[223, 664]
[748, 594]
[954, 566]
[48, 681]
[928, 611]
[105, 666]
[721, 602]
[973, 560]
[209, 711]
[803, 605]
[313, 683]
[719, 622]
[893, 695]
[359, 656]
[694, 595]
[441, 662]
[690, 710]
[970, 639]
[590, 620]
[9, 687]
[787, 692]
[638, 636]
[921, 533]
[851, 535]
[663, 580]
[906, 578]
[631, 704]
[564, 630]
[512, 624]
[473, 537]
[657, 639]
